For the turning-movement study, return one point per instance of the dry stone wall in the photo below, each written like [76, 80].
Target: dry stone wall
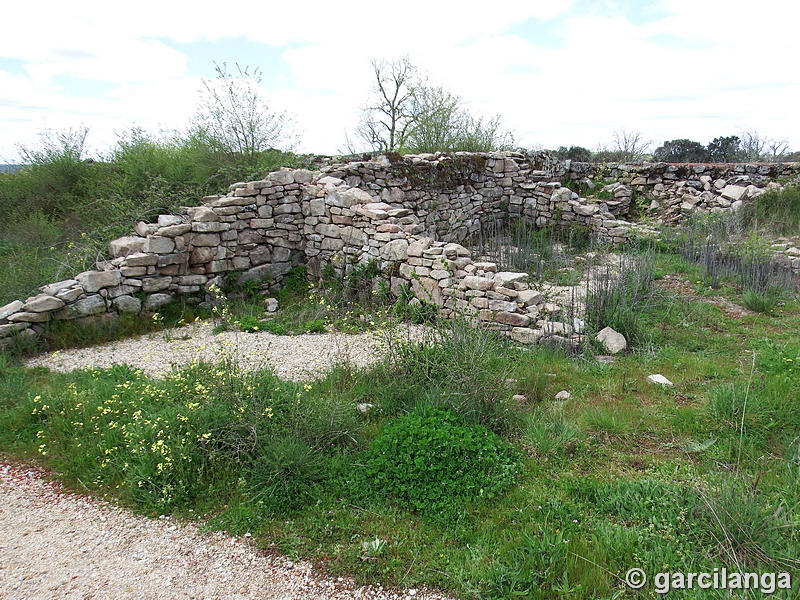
[412, 214]
[676, 191]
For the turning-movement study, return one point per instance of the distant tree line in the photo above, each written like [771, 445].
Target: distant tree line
[630, 147]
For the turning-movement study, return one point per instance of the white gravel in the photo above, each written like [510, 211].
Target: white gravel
[60, 545]
[299, 357]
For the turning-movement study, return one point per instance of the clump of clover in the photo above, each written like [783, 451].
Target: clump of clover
[432, 463]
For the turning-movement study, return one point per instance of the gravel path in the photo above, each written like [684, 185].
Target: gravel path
[59, 545]
[299, 357]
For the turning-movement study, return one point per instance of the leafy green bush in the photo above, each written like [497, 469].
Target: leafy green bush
[276, 327]
[432, 463]
[314, 326]
[250, 323]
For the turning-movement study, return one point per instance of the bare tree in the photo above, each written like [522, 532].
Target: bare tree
[234, 118]
[777, 149]
[630, 145]
[386, 123]
[753, 145]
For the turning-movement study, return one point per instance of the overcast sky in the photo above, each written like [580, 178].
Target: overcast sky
[558, 72]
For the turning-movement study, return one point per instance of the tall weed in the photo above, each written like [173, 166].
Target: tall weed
[545, 254]
[777, 211]
[617, 297]
[731, 246]
[462, 369]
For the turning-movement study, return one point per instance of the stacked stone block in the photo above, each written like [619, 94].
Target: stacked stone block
[676, 191]
[412, 214]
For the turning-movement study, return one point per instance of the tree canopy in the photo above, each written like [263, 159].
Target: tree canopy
[407, 114]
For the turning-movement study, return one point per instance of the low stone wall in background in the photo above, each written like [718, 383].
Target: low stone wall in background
[675, 191]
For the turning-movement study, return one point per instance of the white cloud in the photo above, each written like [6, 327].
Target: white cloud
[708, 68]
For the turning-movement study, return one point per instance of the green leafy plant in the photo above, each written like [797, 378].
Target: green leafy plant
[249, 323]
[314, 326]
[432, 463]
[276, 327]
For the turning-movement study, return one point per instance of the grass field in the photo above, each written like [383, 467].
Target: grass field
[448, 480]
[549, 499]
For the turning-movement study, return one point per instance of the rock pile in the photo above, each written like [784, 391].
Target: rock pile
[788, 253]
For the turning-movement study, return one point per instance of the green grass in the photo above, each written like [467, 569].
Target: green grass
[620, 475]
[763, 301]
[776, 211]
[58, 214]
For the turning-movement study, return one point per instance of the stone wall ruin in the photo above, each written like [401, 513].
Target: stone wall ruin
[412, 214]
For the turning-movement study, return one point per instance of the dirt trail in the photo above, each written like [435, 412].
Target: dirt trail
[58, 545]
